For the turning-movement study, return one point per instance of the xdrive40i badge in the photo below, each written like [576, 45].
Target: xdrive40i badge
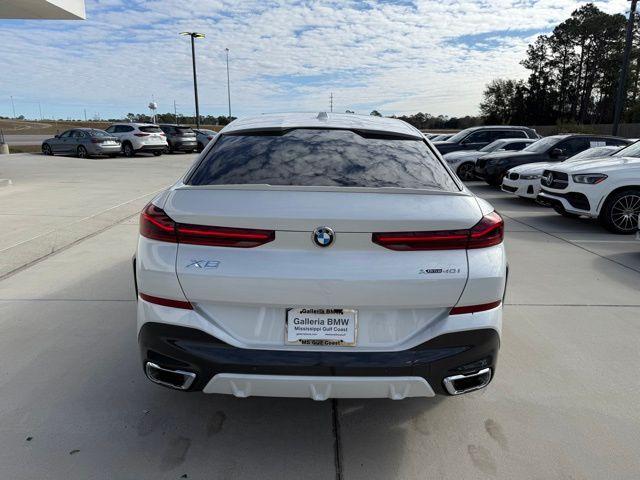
[428, 271]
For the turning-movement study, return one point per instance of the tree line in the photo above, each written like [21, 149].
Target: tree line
[573, 75]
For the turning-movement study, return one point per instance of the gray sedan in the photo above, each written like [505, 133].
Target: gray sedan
[82, 142]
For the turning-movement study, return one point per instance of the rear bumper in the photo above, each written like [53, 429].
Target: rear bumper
[222, 368]
[152, 148]
[184, 146]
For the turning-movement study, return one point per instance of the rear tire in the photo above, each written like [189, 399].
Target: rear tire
[465, 171]
[157, 154]
[168, 148]
[46, 149]
[128, 150]
[82, 152]
[620, 212]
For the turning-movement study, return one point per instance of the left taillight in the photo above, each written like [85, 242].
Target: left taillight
[157, 225]
[487, 232]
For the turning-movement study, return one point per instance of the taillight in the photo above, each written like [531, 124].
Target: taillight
[142, 134]
[487, 232]
[157, 225]
[96, 140]
[475, 308]
[223, 236]
[209, 137]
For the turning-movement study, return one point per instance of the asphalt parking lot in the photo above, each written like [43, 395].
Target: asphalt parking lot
[74, 402]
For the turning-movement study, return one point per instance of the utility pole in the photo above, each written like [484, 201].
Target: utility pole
[193, 36]
[13, 107]
[175, 112]
[622, 81]
[331, 101]
[85, 114]
[228, 85]
[40, 110]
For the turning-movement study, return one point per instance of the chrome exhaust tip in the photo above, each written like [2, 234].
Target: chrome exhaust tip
[459, 384]
[177, 379]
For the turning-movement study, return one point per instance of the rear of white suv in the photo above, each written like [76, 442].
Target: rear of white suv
[139, 137]
[325, 257]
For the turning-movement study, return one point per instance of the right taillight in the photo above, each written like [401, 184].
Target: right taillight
[487, 232]
[157, 225]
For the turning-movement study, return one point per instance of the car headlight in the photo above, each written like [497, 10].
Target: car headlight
[530, 177]
[590, 178]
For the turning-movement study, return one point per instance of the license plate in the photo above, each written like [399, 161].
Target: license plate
[321, 326]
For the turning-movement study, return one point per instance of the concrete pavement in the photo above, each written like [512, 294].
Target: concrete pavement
[74, 403]
[56, 201]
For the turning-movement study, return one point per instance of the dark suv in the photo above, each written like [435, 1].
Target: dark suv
[557, 148]
[179, 138]
[475, 138]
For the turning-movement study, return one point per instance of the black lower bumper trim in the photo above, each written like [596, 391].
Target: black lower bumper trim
[183, 348]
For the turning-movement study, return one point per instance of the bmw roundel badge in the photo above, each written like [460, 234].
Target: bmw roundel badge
[323, 236]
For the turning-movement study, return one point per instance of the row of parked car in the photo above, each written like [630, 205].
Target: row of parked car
[578, 175]
[128, 139]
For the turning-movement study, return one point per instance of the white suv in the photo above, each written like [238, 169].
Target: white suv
[328, 256]
[139, 137]
[607, 189]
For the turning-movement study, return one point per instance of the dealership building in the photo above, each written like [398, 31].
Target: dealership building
[43, 9]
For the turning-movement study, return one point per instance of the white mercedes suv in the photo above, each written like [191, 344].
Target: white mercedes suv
[320, 256]
[606, 188]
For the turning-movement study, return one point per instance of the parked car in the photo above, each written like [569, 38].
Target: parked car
[524, 181]
[139, 137]
[82, 142]
[464, 161]
[180, 138]
[255, 269]
[475, 138]
[493, 167]
[203, 137]
[606, 188]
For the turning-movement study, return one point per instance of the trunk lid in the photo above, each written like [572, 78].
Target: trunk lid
[292, 271]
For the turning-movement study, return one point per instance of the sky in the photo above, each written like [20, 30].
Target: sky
[398, 57]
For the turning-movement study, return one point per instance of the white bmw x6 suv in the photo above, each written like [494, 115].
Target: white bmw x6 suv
[320, 256]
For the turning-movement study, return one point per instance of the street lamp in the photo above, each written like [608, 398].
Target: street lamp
[228, 84]
[193, 36]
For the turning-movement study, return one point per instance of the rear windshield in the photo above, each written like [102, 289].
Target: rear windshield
[99, 133]
[151, 129]
[184, 129]
[313, 157]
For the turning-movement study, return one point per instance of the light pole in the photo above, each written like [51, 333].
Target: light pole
[228, 85]
[193, 36]
[622, 81]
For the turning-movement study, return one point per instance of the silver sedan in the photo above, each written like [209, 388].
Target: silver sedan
[83, 143]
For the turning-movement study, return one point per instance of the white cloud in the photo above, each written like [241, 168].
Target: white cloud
[285, 55]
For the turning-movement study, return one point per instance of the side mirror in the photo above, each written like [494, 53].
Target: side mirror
[57, 136]
[556, 153]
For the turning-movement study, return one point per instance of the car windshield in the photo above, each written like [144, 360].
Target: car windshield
[322, 157]
[99, 133]
[460, 135]
[594, 152]
[493, 146]
[150, 129]
[544, 144]
[632, 150]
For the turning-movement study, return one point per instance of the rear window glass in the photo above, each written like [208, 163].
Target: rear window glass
[99, 133]
[313, 157]
[184, 129]
[150, 129]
